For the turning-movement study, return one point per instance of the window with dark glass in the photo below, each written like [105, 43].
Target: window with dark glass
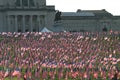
[18, 3]
[31, 3]
[25, 2]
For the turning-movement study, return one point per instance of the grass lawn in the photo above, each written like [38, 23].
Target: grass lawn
[12, 78]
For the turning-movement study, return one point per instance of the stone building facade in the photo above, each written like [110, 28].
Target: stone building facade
[34, 15]
[87, 20]
[25, 15]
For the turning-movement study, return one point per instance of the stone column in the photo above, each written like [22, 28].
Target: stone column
[43, 20]
[28, 3]
[16, 24]
[23, 23]
[38, 20]
[31, 23]
[21, 3]
[8, 20]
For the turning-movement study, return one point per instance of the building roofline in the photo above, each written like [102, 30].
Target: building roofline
[49, 8]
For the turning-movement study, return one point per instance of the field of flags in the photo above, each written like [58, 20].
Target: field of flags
[60, 56]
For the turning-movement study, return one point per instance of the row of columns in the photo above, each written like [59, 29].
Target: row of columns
[23, 22]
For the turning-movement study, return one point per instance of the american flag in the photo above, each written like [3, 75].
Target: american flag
[16, 73]
[6, 73]
[95, 75]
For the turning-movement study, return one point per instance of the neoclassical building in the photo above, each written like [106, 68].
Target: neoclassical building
[34, 15]
[25, 15]
[87, 20]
